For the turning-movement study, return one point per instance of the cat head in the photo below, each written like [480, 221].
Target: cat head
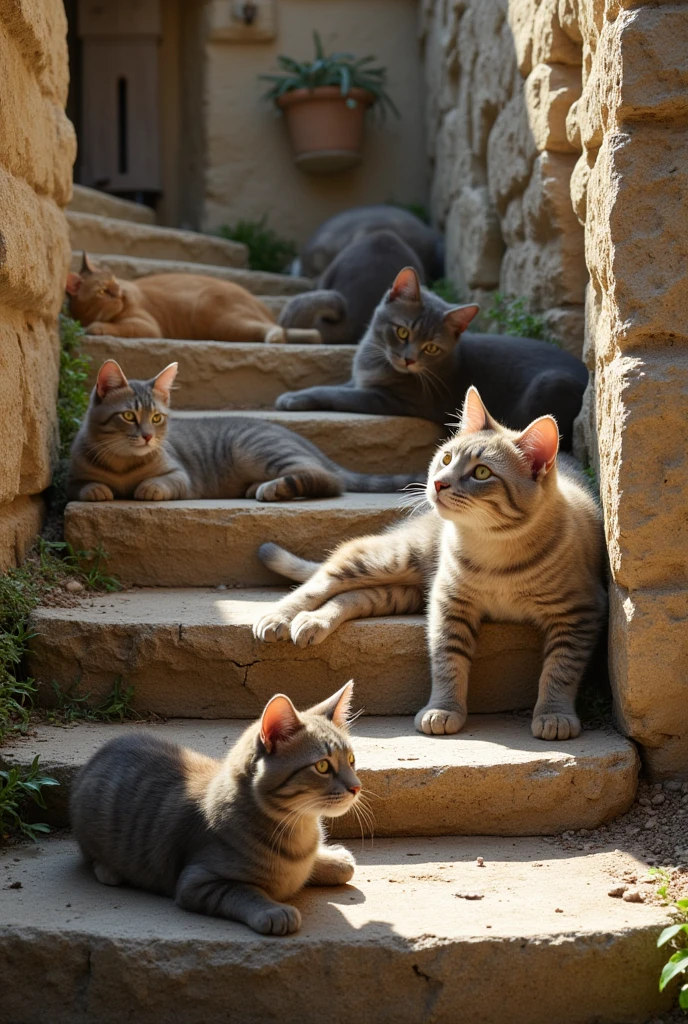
[94, 293]
[415, 329]
[128, 418]
[304, 759]
[488, 476]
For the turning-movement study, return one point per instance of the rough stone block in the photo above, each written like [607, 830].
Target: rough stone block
[40, 29]
[20, 522]
[40, 348]
[479, 236]
[551, 44]
[542, 273]
[648, 660]
[642, 422]
[521, 21]
[547, 210]
[567, 325]
[569, 19]
[11, 406]
[513, 225]
[549, 91]
[90, 200]
[511, 151]
[580, 177]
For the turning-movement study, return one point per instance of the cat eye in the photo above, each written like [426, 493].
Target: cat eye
[156, 417]
[446, 458]
[351, 759]
[322, 766]
[402, 333]
[130, 417]
[482, 473]
[430, 349]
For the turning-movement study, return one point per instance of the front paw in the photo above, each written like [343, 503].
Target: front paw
[295, 401]
[282, 919]
[96, 492]
[335, 866]
[307, 629]
[98, 328]
[439, 722]
[555, 725]
[153, 490]
[271, 627]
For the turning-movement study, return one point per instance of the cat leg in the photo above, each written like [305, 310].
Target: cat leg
[105, 874]
[136, 327]
[312, 627]
[299, 482]
[334, 865]
[569, 644]
[202, 892]
[171, 487]
[342, 398]
[95, 491]
[453, 623]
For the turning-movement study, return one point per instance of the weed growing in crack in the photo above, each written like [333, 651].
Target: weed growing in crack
[19, 787]
[677, 935]
[73, 706]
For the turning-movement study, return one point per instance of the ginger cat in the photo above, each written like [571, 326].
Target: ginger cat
[190, 307]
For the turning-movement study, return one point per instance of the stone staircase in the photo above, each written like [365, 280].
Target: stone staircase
[425, 933]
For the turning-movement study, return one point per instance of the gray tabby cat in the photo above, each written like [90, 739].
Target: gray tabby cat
[416, 360]
[511, 536]
[129, 447]
[232, 838]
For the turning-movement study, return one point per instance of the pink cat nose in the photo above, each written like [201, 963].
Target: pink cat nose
[355, 790]
[146, 437]
[440, 485]
[409, 362]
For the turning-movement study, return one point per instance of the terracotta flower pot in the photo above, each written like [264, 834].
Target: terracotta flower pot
[326, 132]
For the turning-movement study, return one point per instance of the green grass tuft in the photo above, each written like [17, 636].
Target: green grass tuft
[19, 787]
[446, 290]
[73, 706]
[266, 249]
[513, 317]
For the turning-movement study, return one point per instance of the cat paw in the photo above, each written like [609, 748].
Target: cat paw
[438, 722]
[556, 726]
[96, 492]
[334, 866]
[295, 401]
[151, 490]
[307, 628]
[105, 874]
[97, 328]
[271, 627]
[271, 491]
[278, 920]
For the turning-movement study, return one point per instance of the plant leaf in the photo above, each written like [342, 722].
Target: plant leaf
[669, 933]
[683, 998]
[677, 964]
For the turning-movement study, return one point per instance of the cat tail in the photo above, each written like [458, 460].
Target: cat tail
[283, 562]
[324, 311]
[380, 483]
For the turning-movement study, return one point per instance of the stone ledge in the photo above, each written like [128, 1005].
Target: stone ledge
[91, 200]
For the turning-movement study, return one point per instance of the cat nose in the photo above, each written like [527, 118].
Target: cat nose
[146, 437]
[355, 790]
[440, 485]
[409, 362]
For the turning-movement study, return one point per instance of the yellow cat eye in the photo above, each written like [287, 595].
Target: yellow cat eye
[431, 349]
[351, 758]
[322, 766]
[156, 417]
[446, 458]
[482, 473]
[402, 333]
[130, 417]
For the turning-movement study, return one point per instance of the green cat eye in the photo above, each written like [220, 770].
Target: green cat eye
[431, 349]
[130, 417]
[482, 473]
[402, 333]
[156, 417]
[446, 458]
[322, 766]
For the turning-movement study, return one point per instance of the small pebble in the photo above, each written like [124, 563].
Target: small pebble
[644, 801]
[587, 847]
[684, 799]
[684, 788]
[673, 785]
[73, 586]
[633, 896]
[558, 910]
[480, 862]
[618, 891]
[650, 823]
[658, 799]
[14, 885]
[221, 586]
[584, 832]
[470, 895]
[658, 787]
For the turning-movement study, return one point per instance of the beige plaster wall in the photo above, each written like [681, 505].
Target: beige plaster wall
[248, 168]
[37, 149]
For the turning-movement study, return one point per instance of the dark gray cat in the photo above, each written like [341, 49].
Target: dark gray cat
[415, 360]
[233, 838]
[350, 289]
[335, 234]
[128, 447]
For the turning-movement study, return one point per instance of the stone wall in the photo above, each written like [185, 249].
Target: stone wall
[37, 148]
[501, 77]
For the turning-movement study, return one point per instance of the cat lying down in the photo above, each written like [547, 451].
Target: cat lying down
[190, 307]
[128, 446]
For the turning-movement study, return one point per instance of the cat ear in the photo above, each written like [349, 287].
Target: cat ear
[459, 317]
[74, 283]
[474, 415]
[110, 377]
[280, 720]
[164, 381]
[337, 707]
[406, 286]
[540, 443]
[86, 266]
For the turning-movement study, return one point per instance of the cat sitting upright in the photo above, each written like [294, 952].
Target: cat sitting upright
[190, 307]
[416, 360]
[129, 447]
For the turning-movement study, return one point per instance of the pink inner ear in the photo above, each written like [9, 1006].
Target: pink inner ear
[165, 379]
[280, 721]
[540, 443]
[474, 414]
[406, 285]
[340, 716]
[74, 283]
[110, 377]
[459, 319]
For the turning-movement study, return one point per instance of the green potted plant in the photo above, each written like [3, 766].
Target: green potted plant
[325, 102]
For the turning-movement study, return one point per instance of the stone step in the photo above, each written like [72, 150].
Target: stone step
[220, 375]
[493, 778]
[90, 200]
[543, 944]
[258, 282]
[191, 654]
[110, 234]
[207, 543]
[368, 444]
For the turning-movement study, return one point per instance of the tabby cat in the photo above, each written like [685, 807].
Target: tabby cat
[511, 535]
[190, 307]
[128, 446]
[416, 360]
[232, 838]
